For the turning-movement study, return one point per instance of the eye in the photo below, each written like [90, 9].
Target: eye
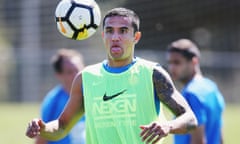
[124, 30]
[108, 30]
[176, 62]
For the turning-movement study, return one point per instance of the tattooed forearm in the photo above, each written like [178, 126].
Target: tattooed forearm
[165, 90]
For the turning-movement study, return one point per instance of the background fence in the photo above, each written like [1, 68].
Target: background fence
[29, 37]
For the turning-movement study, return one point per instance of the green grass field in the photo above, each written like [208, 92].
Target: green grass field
[14, 119]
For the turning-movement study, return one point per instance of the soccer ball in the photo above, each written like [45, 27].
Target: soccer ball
[77, 19]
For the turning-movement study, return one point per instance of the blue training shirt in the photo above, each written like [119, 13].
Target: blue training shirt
[207, 104]
[52, 106]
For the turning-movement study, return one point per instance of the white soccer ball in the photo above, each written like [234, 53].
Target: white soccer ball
[77, 19]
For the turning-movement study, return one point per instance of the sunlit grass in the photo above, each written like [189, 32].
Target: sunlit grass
[14, 119]
[15, 116]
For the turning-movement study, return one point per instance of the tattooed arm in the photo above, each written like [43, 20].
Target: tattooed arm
[167, 93]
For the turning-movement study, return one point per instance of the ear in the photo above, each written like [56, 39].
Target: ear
[57, 75]
[102, 34]
[137, 36]
[195, 60]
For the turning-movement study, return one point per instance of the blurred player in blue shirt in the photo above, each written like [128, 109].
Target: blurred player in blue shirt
[66, 64]
[201, 93]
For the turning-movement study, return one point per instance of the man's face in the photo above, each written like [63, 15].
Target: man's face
[69, 69]
[119, 37]
[179, 67]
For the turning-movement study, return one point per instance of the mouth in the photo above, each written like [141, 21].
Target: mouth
[115, 49]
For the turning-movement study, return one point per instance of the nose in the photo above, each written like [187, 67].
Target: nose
[115, 36]
[170, 67]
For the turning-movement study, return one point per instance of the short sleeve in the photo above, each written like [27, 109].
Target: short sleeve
[46, 109]
[197, 107]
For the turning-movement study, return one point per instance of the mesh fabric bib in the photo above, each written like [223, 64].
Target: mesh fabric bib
[117, 104]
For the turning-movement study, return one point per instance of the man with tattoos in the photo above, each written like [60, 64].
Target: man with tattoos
[201, 93]
[120, 96]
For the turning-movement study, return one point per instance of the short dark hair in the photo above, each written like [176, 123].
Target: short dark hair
[124, 12]
[186, 47]
[57, 59]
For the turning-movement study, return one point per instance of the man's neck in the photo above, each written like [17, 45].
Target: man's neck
[119, 63]
[194, 75]
[67, 89]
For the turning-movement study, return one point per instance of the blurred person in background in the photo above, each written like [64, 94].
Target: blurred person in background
[201, 93]
[66, 64]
